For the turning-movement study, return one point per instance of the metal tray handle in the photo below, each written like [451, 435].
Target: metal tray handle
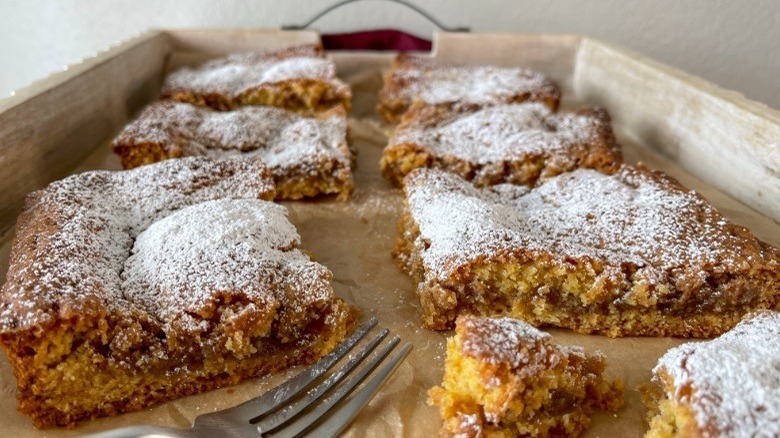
[408, 5]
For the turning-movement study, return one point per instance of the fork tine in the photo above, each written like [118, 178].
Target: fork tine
[274, 398]
[305, 421]
[340, 419]
[280, 416]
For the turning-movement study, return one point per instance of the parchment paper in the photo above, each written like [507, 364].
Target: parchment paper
[354, 240]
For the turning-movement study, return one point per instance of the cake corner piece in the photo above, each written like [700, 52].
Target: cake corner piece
[298, 78]
[518, 143]
[307, 156]
[128, 289]
[727, 386]
[414, 79]
[633, 253]
[504, 377]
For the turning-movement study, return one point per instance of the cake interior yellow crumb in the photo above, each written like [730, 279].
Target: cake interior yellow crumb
[544, 292]
[305, 96]
[555, 400]
[667, 417]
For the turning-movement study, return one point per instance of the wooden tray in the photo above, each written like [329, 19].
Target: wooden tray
[713, 140]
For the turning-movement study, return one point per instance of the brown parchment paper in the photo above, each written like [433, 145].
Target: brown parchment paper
[354, 240]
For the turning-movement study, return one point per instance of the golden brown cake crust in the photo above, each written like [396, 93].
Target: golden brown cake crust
[415, 79]
[516, 143]
[130, 288]
[307, 156]
[299, 78]
[633, 253]
[724, 387]
[503, 377]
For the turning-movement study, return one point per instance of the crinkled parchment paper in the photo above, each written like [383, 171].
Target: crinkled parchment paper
[354, 240]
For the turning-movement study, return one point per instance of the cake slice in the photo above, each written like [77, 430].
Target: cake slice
[298, 78]
[504, 378]
[628, 254]
[516, 143]
[307, 156]
[415, 79]
[727, 387]
[127, 289]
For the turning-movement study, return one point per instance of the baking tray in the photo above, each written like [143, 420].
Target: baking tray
[715, 141]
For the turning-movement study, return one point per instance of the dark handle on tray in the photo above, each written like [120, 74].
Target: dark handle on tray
[430, 18]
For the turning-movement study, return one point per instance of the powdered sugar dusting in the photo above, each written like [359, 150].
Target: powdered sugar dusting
[735, 379]
[283, 139]
[75, 235]
[632, 217]
[240, 72]
[503, 340]
[477, 85]
[502, 132]
[226, 246]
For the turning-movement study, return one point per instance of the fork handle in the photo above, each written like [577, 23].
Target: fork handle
[143, 432]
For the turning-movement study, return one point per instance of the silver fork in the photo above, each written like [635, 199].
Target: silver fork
[282, 411]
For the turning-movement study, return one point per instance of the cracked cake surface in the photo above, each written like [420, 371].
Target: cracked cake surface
[307, 156]
[633, 253]
[415, 79]
[131, 288]
[300, 78]
[728, 386]
[517, 143]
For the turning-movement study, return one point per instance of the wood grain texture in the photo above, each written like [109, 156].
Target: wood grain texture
[46, 129]
[222, 41]
[720, 136]
[194, 46]
[552, 54]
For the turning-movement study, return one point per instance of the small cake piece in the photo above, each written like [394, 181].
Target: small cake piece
[727, 387]
[298, 78]
[628, 254]
[504, 378]
[516, 143]
[414, 79]
[307, 156]
[127, 289]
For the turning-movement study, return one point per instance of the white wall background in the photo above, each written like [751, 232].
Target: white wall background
[735, 44]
